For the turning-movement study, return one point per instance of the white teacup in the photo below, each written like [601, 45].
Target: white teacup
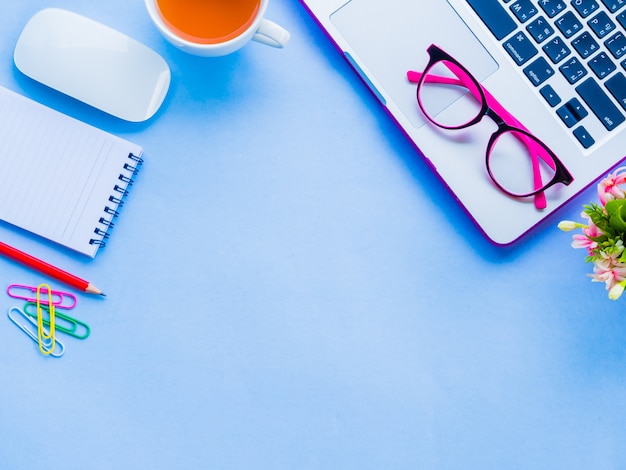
[255, 28]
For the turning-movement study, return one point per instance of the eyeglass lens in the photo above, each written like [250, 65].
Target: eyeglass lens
[445, 84]
[511, 155]
[510, 161]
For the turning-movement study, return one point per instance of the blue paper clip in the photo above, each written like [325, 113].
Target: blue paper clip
[59, 349]
[63, 300]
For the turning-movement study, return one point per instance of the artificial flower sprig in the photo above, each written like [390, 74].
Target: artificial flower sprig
[604, 234]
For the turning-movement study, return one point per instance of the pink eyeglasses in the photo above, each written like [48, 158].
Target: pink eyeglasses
[511, 147]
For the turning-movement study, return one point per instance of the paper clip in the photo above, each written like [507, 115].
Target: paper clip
[68, 325]
[42, 335]
[59, 350]
[63, 300]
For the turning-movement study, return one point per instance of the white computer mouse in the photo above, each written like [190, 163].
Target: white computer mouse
[93, 63]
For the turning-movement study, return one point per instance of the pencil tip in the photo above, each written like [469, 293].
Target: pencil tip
[91, 289]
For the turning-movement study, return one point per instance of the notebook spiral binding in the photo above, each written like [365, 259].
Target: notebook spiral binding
[120, 191]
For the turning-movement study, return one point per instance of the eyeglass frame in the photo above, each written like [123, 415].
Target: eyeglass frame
[493, 109]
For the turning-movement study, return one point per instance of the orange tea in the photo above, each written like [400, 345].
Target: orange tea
[208, 21]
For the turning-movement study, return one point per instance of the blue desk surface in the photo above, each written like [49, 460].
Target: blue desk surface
[289, 287]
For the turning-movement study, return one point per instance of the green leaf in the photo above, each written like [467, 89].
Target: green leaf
[599, 218]
[616, 211]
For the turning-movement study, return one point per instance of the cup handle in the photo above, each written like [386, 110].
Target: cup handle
[271, 34]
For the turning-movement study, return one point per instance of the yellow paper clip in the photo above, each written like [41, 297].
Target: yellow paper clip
[44, 336]
[22, 325]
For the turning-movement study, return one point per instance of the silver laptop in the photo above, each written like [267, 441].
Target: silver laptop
[557, 66]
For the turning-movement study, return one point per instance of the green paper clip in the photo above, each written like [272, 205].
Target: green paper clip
[63, 323]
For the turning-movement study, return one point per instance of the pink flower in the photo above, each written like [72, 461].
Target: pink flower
[609, 271]
[585, 240]
[609, 188]
[582, 241]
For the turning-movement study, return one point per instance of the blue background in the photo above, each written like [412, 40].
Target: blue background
[289, 286]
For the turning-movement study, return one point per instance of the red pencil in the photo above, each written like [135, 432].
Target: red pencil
[48, 269]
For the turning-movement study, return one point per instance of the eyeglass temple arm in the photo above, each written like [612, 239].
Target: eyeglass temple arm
[540, 199]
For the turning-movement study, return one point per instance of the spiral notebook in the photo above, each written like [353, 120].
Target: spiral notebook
[61, 178]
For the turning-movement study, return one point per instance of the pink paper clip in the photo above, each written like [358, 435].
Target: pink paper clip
[63, 300]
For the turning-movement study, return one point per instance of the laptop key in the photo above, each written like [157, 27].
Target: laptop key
[523, 10]
[567, 117]
[572, 112]
[602, 65]
[617, 87]
[600, 104]
[585, 7]
[550, 95]
[568, 24]
[616, 44]
[540, 29]
[538, 71]
[584, 137]
[556, 50]
[495, 17]
[552, 7]
[578, 110]
[601, 24]
[585, 44]
[520, 48]
[573, 70]
[614, 5]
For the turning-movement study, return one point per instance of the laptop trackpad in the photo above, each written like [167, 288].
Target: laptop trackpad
[389, 38]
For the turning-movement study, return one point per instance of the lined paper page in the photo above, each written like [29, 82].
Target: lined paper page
[57, 173]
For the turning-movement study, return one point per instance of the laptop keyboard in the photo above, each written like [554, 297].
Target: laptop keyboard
[573, 52]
